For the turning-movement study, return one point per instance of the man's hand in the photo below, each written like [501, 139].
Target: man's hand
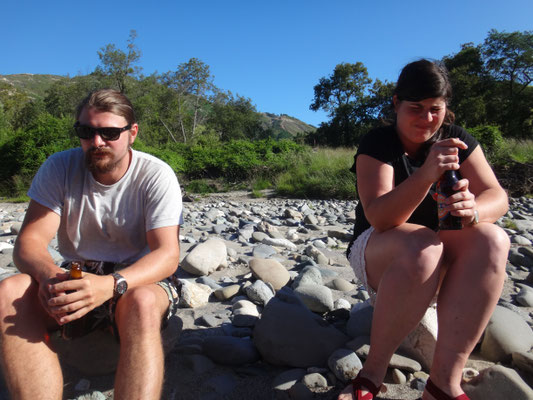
[72, 299]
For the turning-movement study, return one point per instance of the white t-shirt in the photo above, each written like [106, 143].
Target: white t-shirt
[107, 222]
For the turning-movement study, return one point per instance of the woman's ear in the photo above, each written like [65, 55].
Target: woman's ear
[395, 102]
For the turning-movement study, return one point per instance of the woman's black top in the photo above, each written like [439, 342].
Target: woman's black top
[384, 145]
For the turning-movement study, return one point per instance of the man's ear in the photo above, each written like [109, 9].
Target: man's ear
[133, 133]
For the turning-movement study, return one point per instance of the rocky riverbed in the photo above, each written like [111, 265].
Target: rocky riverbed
[270, 308]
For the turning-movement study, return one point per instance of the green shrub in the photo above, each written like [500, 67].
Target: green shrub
[490, 137]
[324, 173]
[200, 186]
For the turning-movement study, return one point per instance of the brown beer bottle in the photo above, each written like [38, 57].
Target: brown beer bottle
[75, 328]
[445, 186]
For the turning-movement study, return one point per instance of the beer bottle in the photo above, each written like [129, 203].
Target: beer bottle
[445, 185]
[74, 328]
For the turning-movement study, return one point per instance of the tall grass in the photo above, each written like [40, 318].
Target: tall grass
[322, 173]
[519, 150]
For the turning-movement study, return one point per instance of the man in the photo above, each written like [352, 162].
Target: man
[117, 211]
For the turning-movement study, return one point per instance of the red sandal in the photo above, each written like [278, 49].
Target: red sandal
[357, 385]
[438, 394]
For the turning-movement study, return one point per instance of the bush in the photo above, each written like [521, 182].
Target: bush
[490, 137]
[24, 152]
[324, 174]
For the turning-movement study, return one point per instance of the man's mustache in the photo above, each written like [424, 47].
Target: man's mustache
[99, 151]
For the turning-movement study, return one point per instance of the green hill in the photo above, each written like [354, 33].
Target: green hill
[35, 85]
[285, 126]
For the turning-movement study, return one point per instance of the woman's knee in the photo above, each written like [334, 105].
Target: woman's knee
[492, 242]
[420, 254]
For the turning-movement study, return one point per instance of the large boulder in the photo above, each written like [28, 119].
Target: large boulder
[97, 352]
[288, 333]
[498, 382]
[205, 257]
[506, 333]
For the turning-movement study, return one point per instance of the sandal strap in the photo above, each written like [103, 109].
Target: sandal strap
[438, 394]
[360, 381]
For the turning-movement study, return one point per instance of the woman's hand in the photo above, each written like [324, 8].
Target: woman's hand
[463, 203]
[443, 155]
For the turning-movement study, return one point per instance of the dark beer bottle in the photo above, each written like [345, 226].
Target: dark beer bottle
[445, 186]
[74, 328]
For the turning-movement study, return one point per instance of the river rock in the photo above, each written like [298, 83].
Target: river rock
[498, 382]
[205, 257]
[194, 295]
[288, 333]
[227, 292]
[229, 350]
[420, 343]
[270, 271]
[345, 364]
[245, 313]
[317, 298]
[259, 292]
[308, 276]
[280, 243]
[506, 333]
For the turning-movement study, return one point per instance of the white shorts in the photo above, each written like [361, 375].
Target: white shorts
[358, 264]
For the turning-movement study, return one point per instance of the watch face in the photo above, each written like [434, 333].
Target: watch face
[121, 287]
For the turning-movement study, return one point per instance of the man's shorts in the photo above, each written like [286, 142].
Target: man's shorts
[103, 316]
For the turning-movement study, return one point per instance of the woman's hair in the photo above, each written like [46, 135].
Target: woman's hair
[108, 100]
[424, 79]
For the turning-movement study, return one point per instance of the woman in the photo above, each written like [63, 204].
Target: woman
[398, 252]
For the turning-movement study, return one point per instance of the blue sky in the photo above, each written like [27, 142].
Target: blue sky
[273, 52]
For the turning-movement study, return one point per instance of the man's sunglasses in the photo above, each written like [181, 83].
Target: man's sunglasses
[88, 132]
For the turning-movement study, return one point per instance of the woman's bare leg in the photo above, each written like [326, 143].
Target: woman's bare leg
[476, 258]
[403, 265]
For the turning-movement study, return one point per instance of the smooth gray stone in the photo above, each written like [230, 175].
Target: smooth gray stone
[521, 240]
[527, 251]
[288, 333]
[229, 350]
[360, 322]
[498, 382]
[263, 251]
[310, 219]
[15, 228]
[361, 347]
[259, 292]
[523, 361]
[309, 276]
[198, 363]
[345, 364]
[220, 228]
[317, 298]
[314, 380]
[505, 334]
[524, 225]
[205, 280]
[287, 379]
[259, 236]
[525, 297]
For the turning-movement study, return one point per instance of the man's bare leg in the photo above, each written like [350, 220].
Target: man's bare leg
[30, 367]
[140, 369]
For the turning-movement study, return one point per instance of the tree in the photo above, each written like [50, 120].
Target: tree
[192, 83]
[118, 64]
[471, 86]
[352, 103]
[235, 117]
[508, 58]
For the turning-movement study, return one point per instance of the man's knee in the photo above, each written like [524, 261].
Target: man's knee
[142, 307]
[14, 288]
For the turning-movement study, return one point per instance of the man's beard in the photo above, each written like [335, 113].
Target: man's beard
[100, 165]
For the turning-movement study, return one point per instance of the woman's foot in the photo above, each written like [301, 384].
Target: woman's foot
[433, 392]
[360, 388]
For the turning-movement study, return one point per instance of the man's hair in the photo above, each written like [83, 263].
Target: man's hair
[108, 100]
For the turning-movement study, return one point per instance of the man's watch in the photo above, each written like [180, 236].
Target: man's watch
[120, 285]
